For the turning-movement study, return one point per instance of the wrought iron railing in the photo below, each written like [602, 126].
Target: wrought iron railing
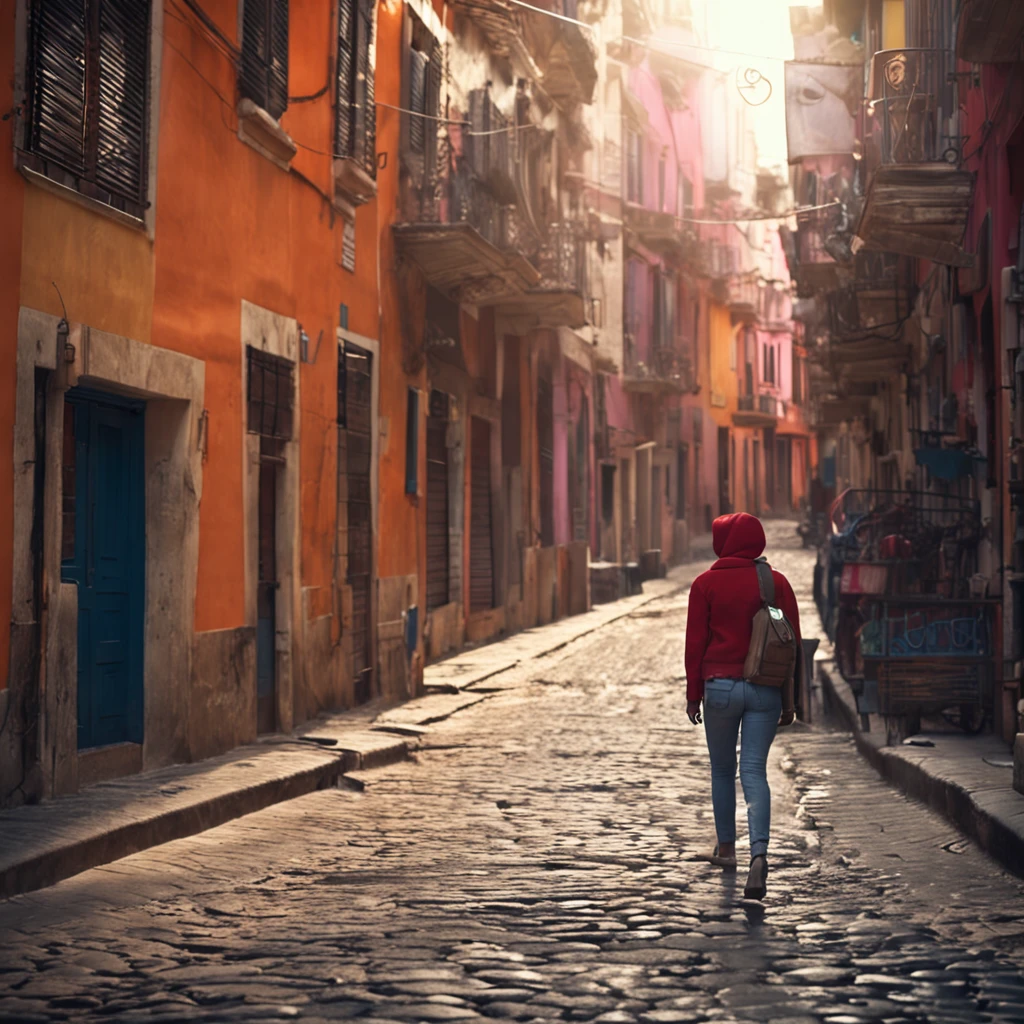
[911, 98]
[767, 404]
[664, 363]
[877, 300]
[561, 258]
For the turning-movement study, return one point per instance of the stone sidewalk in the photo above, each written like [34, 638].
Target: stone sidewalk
[969, 779]
[47, 842]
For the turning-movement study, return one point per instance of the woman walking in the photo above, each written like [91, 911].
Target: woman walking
[719, 626]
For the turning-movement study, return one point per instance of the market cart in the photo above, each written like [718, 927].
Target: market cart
[898, 594]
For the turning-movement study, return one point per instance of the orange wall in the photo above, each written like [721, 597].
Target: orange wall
[230, 225]
[12, 189]
[402, 529]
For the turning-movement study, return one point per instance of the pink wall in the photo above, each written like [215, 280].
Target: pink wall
[573, 389]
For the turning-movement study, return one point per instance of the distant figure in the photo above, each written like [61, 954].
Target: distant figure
[723, 603]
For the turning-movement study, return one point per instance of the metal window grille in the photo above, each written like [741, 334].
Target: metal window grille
[270, 394]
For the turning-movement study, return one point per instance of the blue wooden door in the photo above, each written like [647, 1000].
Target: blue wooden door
[104, 554]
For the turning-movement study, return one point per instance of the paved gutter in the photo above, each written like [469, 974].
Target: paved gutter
[952, 777]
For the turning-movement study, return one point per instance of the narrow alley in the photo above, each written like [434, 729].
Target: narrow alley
[539, 860]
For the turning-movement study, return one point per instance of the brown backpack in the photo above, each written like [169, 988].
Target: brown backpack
[771, 660]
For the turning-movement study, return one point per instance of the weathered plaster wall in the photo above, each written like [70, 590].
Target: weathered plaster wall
[231, 225]
[11, 220]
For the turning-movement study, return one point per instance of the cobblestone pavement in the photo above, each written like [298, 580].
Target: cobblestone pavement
[538, 862]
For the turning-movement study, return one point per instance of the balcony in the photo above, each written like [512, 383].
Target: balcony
[756, 411]
[991, 31]
[669, 371]
[502, 25]
[659, 231]
[558, 298]
[876, 301]
[816, 268]
[918, 198]
[743, 297]
[570, 69]
[463, 239]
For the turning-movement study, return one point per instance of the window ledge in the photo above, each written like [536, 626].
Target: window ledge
[74, 196]
[258, 129]
[352, 185]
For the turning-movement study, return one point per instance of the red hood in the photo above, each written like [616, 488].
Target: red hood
[739, 536]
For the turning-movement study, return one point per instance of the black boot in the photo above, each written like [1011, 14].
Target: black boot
[757, 877]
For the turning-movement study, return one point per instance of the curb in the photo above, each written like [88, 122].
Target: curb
[83, 852]
[946, 796]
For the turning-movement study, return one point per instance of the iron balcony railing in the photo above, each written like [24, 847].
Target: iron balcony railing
[768, 404]
[561, 258]
[911, 101]
[459, 196]
[878, 299]
[663, 363]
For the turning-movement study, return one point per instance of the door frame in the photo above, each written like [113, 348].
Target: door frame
[173, 386]
[371, 346]
[266, 331]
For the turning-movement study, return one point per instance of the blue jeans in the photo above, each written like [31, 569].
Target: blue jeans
[727, 703]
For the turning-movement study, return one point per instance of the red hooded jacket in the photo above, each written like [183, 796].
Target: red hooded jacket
[723, 602]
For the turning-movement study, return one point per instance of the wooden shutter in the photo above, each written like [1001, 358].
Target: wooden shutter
[343, 127]
[264, 77]
[476, 145]
[437, 501]
[277, 70]
[481, 546]
[366, 113]
[417, 93]
[56, 127]
[254, 50]
[123, 97]
[432, 105]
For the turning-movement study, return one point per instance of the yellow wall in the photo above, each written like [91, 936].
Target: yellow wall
[723, 376]
[104, 269]
[893, 26]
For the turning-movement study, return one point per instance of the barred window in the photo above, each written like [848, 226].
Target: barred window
[355, 129]
[270, 394]
[264, 76]
[87, 114]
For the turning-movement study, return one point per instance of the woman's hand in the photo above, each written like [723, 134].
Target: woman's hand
[786, 719]
[693, 711]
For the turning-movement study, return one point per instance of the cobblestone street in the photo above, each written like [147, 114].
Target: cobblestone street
[538, 860]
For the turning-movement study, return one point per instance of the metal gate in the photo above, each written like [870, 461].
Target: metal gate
[437, 501]
[358, 421]
[481, 545]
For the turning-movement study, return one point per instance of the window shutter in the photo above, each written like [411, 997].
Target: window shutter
[254, 50]
[432, 105]
[343, 131]
[277, 70]
[57, 118]
[123, 97]
[476, 145]
[366, 119]
[417, 94]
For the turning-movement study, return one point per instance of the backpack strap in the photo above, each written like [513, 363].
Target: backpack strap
[765, 581]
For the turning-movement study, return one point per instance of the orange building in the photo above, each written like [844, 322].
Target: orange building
[194, 337]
